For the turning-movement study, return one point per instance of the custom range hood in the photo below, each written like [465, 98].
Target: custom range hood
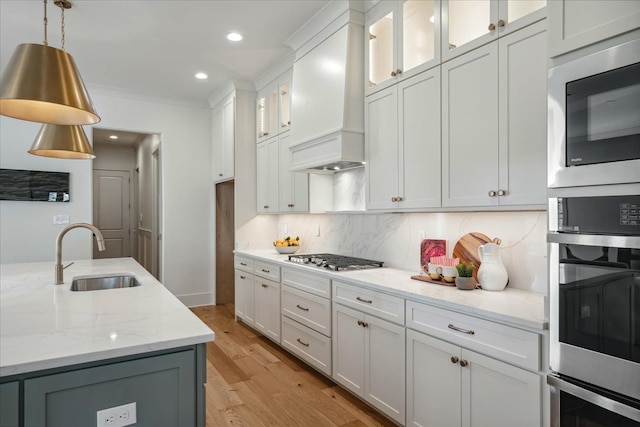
[327, 103]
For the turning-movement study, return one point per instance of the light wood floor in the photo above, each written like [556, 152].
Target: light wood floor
[253, 382]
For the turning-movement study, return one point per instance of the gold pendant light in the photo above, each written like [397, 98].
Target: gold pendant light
[64, 142]
[42, 84]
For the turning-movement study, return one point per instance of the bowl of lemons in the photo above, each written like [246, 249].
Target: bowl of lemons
[288, 245]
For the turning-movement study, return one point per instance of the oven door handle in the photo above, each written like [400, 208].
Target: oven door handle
[596, 399]
[632, 242]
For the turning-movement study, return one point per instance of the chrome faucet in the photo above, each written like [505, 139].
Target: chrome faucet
[59, 268]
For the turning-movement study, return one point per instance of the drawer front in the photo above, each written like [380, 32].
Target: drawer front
[309, 345]
[372, 302]
[308, 309]
[307, 282]
[506, 343]
[267, 270]
[244, 264]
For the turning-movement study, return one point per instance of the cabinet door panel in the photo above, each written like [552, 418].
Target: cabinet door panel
[244, 292]
[267, 308]
[470, 128]
[523, 116]
[382, 149]
[433, 382]
[381, 40]
[163, 388]
[294, 186]
[465, 25]
[497, 394]
[419, 135]
[384, 366]
[10, 404]
[348, 349]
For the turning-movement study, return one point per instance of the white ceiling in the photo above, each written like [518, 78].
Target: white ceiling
[156, 47]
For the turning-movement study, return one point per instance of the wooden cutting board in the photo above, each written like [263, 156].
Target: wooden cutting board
[467, 249]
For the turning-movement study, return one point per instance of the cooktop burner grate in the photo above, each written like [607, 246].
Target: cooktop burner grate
[335, 262]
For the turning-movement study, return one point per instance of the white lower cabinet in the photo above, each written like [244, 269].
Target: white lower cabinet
[451, 386]
[369, 359]
[267, 308]
[244, 299]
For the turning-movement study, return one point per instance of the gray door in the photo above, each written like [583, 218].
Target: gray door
[111, 215]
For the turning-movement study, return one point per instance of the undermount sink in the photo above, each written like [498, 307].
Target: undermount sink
[110, 281]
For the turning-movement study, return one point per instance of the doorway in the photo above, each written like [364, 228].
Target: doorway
[225, 242]
[111, 212]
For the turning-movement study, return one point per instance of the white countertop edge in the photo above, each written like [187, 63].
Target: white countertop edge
[347, 277]
[104, 355]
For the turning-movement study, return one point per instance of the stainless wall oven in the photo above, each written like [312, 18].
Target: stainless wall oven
[594, 309]
[594, 119]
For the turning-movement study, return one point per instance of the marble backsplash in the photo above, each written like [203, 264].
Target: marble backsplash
[395, 238]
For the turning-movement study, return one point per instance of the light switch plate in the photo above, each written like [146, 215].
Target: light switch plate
[61, 219]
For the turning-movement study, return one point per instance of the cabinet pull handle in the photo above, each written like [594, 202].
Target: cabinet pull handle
[464, 331]
[265, 271]
[363, 324]
[265, 134]
[302, 308]
[244, 264]
[266, 206]
[501, 23]
[368, 301]
[492, 27]
[290, 205]
[502, 193]
[463, 363]
[303, 343]
[454, 359]
[242, 277]
[264, 286]
[393, 74]
[398, 71]
[394, 199]
[289, 122]
[492, 193]
[220, 174]
[399, 199]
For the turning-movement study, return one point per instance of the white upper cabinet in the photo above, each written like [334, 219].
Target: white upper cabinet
[403, 144]
[284, 101]
[223, 139]
[294, 186]
[403, 40]
[494, 124]
[267, 112]
[467, 25]
[268, 164]
[577, 23]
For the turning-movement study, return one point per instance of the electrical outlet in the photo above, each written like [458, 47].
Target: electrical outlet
[118, 416]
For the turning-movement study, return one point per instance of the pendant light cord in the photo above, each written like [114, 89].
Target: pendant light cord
[45, 24]
[62, 26]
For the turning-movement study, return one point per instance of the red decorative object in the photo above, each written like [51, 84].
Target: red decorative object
[430, 248]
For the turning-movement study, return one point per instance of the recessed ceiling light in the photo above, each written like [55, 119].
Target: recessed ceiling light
[234, 37]
[113, 136]
[201, 76]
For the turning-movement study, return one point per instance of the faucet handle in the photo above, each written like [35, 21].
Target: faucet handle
[68, 265]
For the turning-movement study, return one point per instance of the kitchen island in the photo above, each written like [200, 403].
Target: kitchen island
[69, 354]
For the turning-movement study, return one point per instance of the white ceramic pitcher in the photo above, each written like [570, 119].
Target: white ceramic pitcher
[492, 275]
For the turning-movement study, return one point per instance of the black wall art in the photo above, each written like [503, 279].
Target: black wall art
[41, 186]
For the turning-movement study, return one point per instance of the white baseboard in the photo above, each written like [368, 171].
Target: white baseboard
[196, 300]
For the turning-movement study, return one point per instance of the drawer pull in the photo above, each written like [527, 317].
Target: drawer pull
[244, 264]
[303, 343]
[264, 286]
[242, 277]
[265, 271]
[463, 363]
[363, 324]
[302, 308]
[454, 359]
[368, 301]
[464, 331]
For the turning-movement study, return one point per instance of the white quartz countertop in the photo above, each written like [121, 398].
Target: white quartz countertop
[45, 326]
[514, 307]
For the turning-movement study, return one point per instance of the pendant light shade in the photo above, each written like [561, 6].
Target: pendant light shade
[64, 142]
[42, 84]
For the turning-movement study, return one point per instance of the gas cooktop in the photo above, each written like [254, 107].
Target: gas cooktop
[335, 262]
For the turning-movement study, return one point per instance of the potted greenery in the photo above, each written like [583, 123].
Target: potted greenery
[465, 279]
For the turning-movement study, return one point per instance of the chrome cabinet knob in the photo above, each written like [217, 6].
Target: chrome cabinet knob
[492, 193]
[502, 193]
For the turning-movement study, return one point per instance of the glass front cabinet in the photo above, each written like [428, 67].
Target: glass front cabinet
[403, 40]
[467, 25]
